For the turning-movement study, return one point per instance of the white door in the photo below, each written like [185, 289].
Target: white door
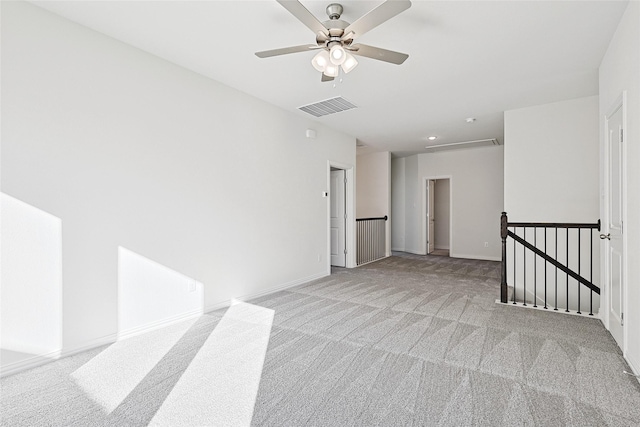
[431, 220]
[615, 250]
[338, 218]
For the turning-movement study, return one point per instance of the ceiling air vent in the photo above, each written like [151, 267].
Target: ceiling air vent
[465, 144]
[329, 106]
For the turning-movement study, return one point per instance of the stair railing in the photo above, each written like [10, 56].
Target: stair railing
[535, 248]
[371, 239]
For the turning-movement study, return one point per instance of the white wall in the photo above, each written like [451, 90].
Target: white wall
[442, 213]
[397, 204]
[373, 189]
[476, 180]
[620, 71]
[130, 150]
[550, 157]
[412, 214]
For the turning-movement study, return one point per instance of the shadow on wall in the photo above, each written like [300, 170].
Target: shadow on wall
[31, 291]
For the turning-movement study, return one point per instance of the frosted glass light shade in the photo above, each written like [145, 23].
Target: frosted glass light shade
[349, 63]
[321, 60]
[332, 70]
[337, 54]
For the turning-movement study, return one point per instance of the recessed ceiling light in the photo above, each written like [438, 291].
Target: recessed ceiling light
[432, 138]
[471, 119]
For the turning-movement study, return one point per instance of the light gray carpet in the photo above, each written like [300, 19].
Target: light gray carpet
[408, 340]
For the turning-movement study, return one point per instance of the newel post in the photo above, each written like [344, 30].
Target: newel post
[503, 274]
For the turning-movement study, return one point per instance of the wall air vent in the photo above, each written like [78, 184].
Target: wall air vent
[329, 106]
[464, 144]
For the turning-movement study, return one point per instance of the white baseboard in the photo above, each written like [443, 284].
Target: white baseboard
[282, 287]
[416, 252]
[152, 326]
[480, 257]
[634, 365]
[29, 363]
[89, 345]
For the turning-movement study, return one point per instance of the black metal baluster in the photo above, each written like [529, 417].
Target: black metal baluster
[545, 269]
[524, 268]
[591, 276]
[535, 268]
[515, 261]
[556, 303]
[579, 256]
[566, 298]
[504, 233]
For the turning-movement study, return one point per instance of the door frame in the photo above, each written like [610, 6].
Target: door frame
[350, 243]
[423, 221]
[619, 103]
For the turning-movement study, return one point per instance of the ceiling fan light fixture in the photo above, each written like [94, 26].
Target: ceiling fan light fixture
[337, 54]
[349, 63]
[332, 70]
[320, 61]
[335, 36]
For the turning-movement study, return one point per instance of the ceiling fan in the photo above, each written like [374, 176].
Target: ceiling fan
[334, 38]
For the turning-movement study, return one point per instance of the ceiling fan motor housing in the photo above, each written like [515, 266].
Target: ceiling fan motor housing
[335, 28]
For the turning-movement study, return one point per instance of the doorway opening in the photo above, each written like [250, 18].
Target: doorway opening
[437, 216]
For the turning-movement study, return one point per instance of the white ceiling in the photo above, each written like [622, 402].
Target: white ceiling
[466, 58]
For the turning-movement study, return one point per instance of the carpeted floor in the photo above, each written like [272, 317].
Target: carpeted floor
[409, 340]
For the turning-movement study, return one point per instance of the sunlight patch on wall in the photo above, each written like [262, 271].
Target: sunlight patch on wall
[151, 295]
[31, 276]
[221, 384]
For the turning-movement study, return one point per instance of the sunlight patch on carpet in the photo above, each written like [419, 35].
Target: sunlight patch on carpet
[220, 386]
[109, 377]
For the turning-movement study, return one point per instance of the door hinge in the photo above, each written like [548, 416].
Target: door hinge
[345, 180]
[621, 319]
[345, 251]
[621, 135]
[345, 216]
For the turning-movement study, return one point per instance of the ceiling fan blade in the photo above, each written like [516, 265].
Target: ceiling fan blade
[378, 53]
[326, 78]
[287, 50]
[377, 16]
[302, 13]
